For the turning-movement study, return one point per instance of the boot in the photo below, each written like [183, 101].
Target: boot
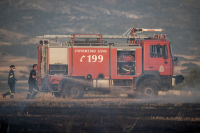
[12, 95]
[34, 94]
[5, 94]
[28, 95]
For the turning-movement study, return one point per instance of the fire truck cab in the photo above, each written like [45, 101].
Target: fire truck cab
[142, 66]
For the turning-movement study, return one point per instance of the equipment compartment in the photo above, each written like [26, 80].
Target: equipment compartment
[125, 62]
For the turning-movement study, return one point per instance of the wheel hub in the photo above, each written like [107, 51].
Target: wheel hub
[148, 91]
[73, 91]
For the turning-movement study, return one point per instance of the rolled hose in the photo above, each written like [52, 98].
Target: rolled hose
[127, 71]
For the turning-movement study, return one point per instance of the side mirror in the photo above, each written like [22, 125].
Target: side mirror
[175, 58]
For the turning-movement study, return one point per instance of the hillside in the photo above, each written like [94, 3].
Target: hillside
[22, 20]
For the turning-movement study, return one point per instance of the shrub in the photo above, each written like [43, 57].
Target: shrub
[193, 78]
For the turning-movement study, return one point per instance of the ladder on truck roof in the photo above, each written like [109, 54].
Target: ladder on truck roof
[129, 34]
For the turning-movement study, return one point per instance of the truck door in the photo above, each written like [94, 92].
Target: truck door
[159, 59]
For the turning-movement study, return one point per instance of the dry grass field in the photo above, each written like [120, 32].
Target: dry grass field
[98, 115]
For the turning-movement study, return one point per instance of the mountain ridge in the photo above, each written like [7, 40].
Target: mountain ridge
[179, 19]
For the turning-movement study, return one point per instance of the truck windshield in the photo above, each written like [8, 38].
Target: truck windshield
[171, 51]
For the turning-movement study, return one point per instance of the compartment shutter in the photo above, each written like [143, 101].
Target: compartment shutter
[58, 55]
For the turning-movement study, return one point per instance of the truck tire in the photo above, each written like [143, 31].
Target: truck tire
[72, 91]
[148, 89]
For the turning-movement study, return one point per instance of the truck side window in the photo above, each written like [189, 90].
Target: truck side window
[155, 51]
[165, 52]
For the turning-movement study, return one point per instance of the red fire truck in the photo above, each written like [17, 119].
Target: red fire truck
[142, 65]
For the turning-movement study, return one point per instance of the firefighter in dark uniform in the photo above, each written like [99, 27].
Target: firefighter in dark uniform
[11, 82]
[32, 83]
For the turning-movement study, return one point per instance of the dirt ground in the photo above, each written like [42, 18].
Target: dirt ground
[99, 114]
[105, 117]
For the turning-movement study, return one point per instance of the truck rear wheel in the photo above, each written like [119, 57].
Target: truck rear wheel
[148, 89]
[72, 91]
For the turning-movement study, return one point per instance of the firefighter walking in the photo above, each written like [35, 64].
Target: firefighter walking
[11, 82]
[32, 83]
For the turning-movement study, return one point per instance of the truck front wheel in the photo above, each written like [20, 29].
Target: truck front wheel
[72, 91]
[148, 89]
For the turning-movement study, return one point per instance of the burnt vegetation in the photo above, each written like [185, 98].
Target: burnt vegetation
[103, 117]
